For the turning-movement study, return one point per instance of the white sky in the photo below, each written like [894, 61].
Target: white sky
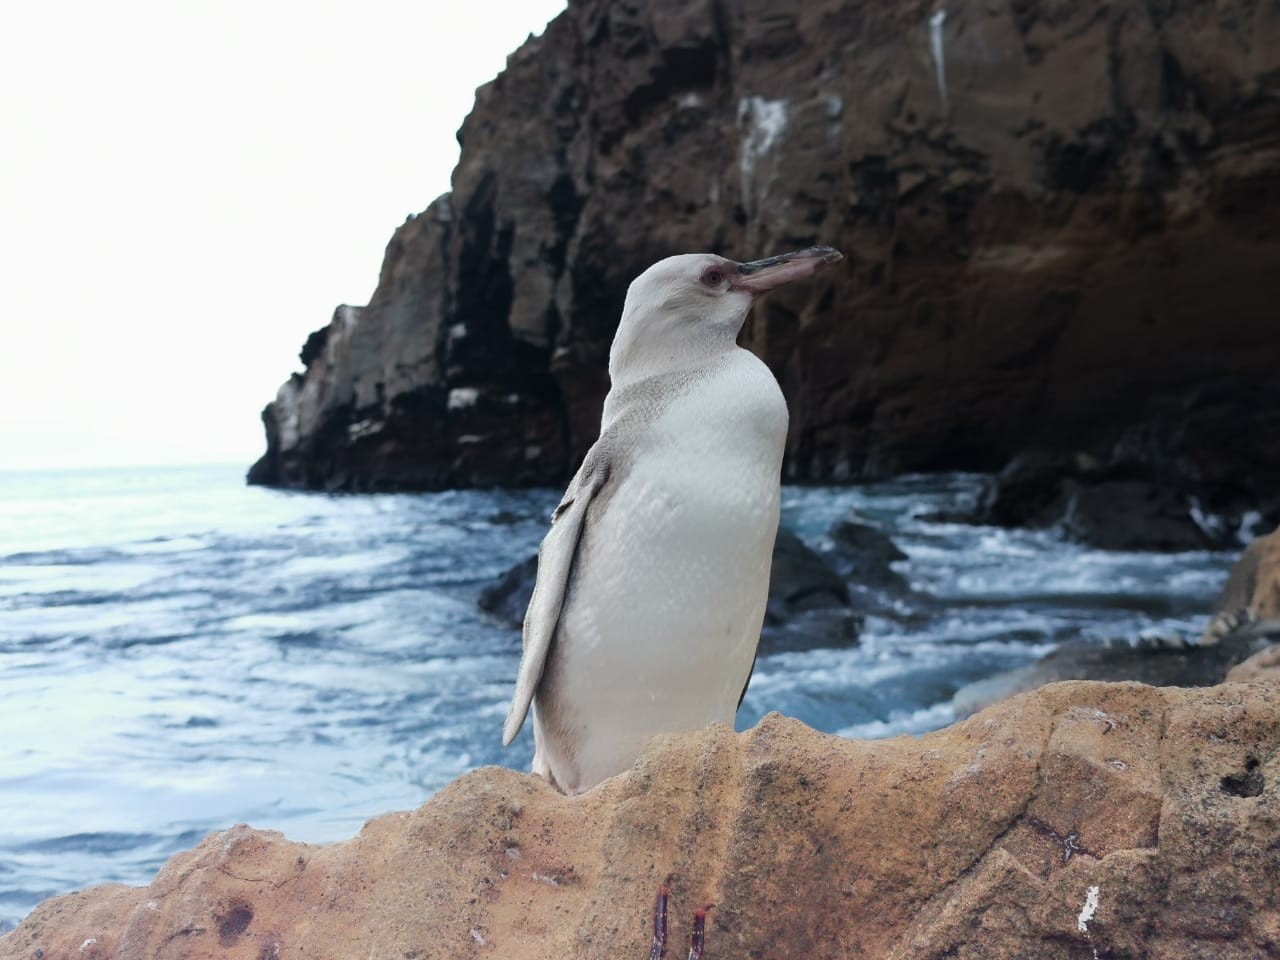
[189, 188]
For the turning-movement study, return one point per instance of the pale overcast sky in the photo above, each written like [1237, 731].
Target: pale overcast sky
[189, 188]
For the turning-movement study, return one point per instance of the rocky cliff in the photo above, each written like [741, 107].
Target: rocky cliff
[1060, 222]
[1082, 820]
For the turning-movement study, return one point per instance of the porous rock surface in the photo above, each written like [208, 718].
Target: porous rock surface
[989, 839]
[1074, 245]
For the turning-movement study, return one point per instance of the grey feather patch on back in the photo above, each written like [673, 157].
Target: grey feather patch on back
[555, 567]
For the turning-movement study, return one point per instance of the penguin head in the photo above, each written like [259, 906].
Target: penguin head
[686, 309]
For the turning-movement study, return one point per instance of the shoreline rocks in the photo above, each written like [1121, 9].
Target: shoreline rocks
[1239, 643]
[1250, 607]
[810, 602]
[816, 598]
[1252, 591]
[507, 598]
[1083, 818]
[1078, 494]
[1109, 504]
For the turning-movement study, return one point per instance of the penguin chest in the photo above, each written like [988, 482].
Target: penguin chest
[702, 493]
[671, 581]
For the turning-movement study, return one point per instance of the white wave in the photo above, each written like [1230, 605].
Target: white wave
[1251, 526]
[913, 722]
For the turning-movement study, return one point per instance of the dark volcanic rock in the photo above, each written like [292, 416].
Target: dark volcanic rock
[1132, 516]
[509, 597]
[1033, 488]
[1077, 248]
[801, 580]
[1107, 505]
[403, 394]
[864, 558]
[808, 601]
[864, 554]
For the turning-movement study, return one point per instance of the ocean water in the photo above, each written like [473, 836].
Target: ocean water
[180, 652]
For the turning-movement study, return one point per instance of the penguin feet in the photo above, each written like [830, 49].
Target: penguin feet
[696, 937]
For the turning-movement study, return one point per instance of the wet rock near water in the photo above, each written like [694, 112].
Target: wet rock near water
[865, 554]
[1237, 644]
[508, 598]
[815, 599]
[1084, 819]
[1250, 609]
[1083, 498]
[800, 580]
[1188, 474]
[1102, 506]
[1132, 515]
[808, 606]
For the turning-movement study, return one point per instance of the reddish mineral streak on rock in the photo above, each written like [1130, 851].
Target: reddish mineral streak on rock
[698, 937]
[659, 948]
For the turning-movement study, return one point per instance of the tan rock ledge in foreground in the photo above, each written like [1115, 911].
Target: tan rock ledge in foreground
[981, 840]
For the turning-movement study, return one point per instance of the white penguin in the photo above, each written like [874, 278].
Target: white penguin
[653, 578]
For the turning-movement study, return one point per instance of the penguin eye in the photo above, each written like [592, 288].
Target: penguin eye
[712, 277]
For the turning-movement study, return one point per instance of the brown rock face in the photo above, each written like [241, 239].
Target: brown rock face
[988, 839]
[1263, 665]
[375, 409]
[1253, 588]
[1076, 247]
[1250, 607]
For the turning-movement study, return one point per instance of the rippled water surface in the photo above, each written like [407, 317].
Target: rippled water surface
[179, 653]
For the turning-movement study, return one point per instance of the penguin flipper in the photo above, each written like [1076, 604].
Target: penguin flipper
[555, 567]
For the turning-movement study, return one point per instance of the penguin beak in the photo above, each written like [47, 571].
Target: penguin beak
[759, 276]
